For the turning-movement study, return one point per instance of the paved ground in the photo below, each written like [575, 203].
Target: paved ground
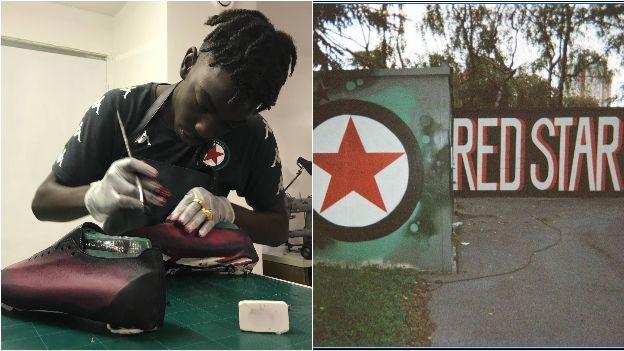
[570, 294]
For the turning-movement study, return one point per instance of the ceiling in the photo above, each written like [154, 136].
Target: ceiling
[109, 8]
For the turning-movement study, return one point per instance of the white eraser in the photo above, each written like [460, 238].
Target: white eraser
[263, 316]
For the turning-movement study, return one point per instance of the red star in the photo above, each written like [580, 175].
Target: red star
[353, 169]
[213, 155]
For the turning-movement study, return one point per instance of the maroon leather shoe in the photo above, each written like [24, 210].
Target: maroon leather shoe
[128, 293]
[222, 249]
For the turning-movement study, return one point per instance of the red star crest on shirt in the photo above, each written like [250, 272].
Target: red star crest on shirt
[353, 169]
[213, 155]
[217, 155]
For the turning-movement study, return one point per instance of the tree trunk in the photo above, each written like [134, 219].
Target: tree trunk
[563, 65]
[384, 43]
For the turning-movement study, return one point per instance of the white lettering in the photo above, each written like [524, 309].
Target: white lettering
[482, 151]
[584, 146]
[465, 150]
[564, 124]
[551, 168]
[518, 181]
[608, 151]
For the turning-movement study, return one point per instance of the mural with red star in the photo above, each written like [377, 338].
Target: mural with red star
[352, 169]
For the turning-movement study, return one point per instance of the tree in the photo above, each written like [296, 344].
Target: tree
[609, 21]
[386, 22]
[529, 90]
[481, 47]
[484, 40]
[551, 30]
[556, 31]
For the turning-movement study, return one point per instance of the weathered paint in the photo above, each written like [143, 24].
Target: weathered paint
[419, 100]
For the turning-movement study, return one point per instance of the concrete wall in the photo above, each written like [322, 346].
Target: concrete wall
[407, 112]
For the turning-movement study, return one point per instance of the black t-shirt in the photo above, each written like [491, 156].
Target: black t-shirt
[246, 158]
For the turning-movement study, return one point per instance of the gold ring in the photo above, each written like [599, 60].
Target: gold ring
[208, 213]
[199, 201]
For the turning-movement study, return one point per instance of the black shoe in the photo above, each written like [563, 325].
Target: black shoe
[126, 289]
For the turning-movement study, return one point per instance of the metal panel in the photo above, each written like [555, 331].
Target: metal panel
[382, 187]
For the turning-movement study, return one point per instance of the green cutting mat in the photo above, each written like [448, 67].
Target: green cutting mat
[201, 313]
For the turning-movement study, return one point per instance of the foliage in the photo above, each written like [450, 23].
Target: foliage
[482, 43]
[330, 22]
[609, 21]
[556, 31]
[481, 47]
[530, 91]
[579, 101]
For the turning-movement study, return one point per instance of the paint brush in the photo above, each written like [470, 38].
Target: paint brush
[125, 138]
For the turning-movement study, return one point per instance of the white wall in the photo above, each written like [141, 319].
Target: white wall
[139, 51]
[33, 134]
[135, 39]
[58, 25]
[41, 109]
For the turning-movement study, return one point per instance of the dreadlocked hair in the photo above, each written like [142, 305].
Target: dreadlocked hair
[257, 56]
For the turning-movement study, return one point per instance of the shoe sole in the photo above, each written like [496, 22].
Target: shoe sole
[114, 330]
[237, 267]
[126, 331]
[11, 308]
[8, 308]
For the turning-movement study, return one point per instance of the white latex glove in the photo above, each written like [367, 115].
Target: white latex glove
[189, 214]
[118, 188]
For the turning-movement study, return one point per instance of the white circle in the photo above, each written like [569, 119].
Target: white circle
[354, 210]
[210, 162]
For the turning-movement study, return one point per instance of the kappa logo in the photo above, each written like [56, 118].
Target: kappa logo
[78, 132]
[59, 159]
[217, 156]
[143, 138]
[127, 90]
[368, 171]
[96, 105]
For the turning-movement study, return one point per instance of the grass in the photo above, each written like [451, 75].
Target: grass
[370, 306]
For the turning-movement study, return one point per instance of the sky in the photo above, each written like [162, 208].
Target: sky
[420, 46]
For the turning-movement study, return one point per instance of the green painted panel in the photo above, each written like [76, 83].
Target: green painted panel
[201, 313]
[419, 104]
